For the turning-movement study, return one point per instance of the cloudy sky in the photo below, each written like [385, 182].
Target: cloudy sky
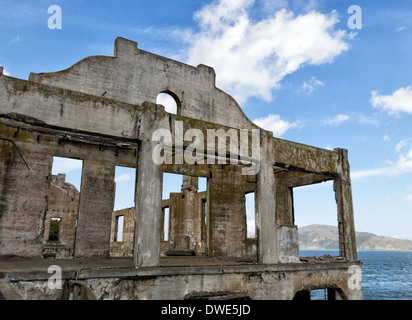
[315, 72]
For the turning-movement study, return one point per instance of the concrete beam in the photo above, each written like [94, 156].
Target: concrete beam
[300, 157]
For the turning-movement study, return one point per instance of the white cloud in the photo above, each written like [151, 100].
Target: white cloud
[369, 173]
[407, 198]
[386, 137]
[252, 57]
[401, 166]
[123, 178]
[336, 120]
[400, 29]
[273, 123]
[16, 39]
[399, 101]
[311, 85]
[65, 165]
[404, 163]
[401, 144]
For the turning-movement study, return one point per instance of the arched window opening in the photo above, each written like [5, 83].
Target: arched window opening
[168, 101]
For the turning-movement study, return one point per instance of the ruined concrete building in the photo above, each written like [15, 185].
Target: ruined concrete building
[103, 111]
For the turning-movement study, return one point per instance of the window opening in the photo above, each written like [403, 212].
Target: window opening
[125, 179]
[250, 215]
[315, 214]
[54, 230]
[168, 101]
[166, 224]
[119, 228]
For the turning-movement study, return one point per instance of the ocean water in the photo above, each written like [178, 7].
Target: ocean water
[386, 275]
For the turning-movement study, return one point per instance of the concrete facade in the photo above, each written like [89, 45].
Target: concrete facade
[102, 110]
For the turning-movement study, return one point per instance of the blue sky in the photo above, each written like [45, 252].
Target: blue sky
[295, 67]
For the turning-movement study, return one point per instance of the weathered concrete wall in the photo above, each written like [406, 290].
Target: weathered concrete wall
[26, 164]
[135, 76]
[61, 108]
[288, 244]
[274, 282]
[23, 194]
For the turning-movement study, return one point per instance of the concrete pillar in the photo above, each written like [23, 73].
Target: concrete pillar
[148, 210]
[190, 183]
[95, 209]
[343, 196]
[266, 233]
[284, 201]
[185, 220]
[226, 213]
[287, 232]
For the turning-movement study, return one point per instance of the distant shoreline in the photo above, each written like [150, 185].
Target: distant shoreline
[319, 236]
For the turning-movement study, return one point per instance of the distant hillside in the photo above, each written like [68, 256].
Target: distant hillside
[317, 236]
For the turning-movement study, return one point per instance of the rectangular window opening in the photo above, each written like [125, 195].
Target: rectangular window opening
[64, 199]
[119, 228]
[125, 179]
[184, 206]
[315, 214]
[166, 224]
[54, 230]
[250, 215]
[122, 229]
[68, 169]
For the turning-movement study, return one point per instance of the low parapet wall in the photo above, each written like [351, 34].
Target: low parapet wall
[177, 282]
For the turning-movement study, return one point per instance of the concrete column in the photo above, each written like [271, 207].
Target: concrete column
[266, 233]
[288, 243]
[226, 213]
[95, 209]
[185, 216]
[343, 196]
[284, 201]
[148, 210]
